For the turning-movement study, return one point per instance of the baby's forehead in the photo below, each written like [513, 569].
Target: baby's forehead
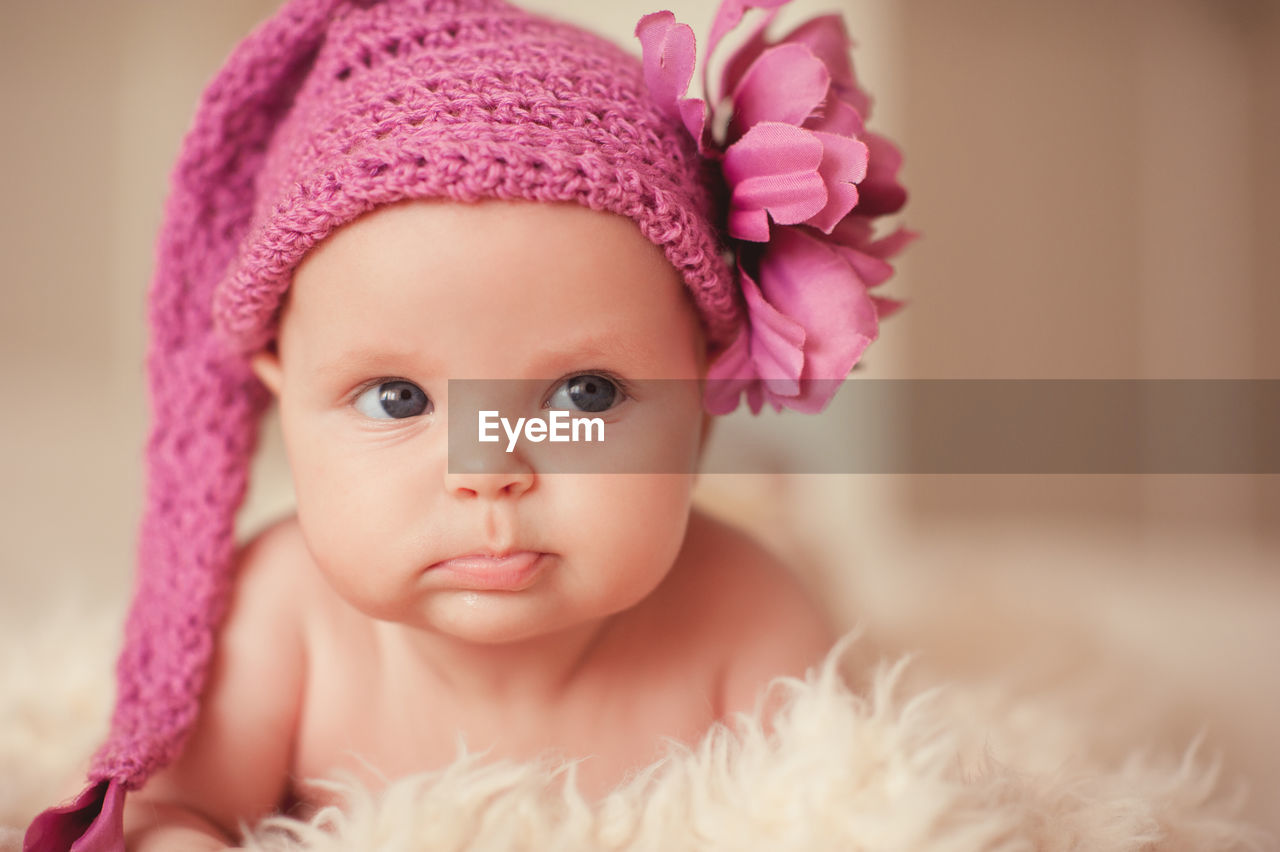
[478, 258]
[522, 276]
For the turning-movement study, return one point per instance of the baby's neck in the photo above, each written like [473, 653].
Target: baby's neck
[536, 671]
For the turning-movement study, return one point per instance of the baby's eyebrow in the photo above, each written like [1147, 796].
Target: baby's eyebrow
[548, 362]
[599, 347]
[368, 357]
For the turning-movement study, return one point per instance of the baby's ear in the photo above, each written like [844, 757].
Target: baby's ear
[266, 366]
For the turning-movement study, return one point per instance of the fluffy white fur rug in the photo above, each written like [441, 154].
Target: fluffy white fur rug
[897, 765]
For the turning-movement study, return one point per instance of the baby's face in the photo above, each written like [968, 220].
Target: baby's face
[384, 312]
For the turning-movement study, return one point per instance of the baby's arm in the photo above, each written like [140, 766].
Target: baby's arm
[234, 768]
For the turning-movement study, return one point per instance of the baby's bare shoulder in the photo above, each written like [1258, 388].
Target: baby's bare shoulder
[752, 587]
[275, 586]
[770, 624]
[235, 765]
[274, 563]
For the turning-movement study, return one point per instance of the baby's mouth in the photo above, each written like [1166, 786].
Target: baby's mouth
[509, 571]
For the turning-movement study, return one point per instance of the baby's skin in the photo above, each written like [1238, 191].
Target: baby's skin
[424, 593]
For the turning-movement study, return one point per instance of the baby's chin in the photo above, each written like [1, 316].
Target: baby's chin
[494, 617]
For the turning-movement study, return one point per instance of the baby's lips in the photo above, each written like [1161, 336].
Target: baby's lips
[513, 571]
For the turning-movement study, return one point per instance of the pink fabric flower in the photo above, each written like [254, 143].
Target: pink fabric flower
[804, 180]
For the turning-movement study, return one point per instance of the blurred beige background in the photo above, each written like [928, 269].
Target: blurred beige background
[1098, 190]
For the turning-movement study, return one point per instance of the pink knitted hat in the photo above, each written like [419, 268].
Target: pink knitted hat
[334, 107]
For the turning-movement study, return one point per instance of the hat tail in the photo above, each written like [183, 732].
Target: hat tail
[205, 409]
[92, 822]
[206, 403]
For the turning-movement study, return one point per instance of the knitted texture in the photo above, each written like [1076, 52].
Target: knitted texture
[205, 402]
[471, 99]
[325, 112]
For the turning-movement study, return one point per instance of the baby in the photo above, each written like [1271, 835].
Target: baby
[376, 200]
[415, 595]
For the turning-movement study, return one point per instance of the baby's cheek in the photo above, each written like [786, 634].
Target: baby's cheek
[345, 515]
[637, 528]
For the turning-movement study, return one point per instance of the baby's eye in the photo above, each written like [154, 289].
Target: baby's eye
[393, 400]
[586, 392]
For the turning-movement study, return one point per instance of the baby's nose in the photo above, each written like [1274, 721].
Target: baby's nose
[488, 485]
[488, 475]
[486, 457]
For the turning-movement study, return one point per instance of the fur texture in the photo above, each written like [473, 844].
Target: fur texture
[896, 764]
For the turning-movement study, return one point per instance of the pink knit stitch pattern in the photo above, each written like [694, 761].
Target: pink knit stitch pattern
[205, 406]
[474, 100]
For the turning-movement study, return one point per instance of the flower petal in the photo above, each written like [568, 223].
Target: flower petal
[836, 116]
[853, 239]
[890, 245]
[746, 53]
[729, 375]
[844, 163]
[776, 344]
[828, 39]
[871, 271]
[766, 359]
[856, 231]
[669, 53]
[887, 307]
[693, 112]
[805, 279]
[773, 171]
[785, 84]
[880, 191]
[729, 15]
